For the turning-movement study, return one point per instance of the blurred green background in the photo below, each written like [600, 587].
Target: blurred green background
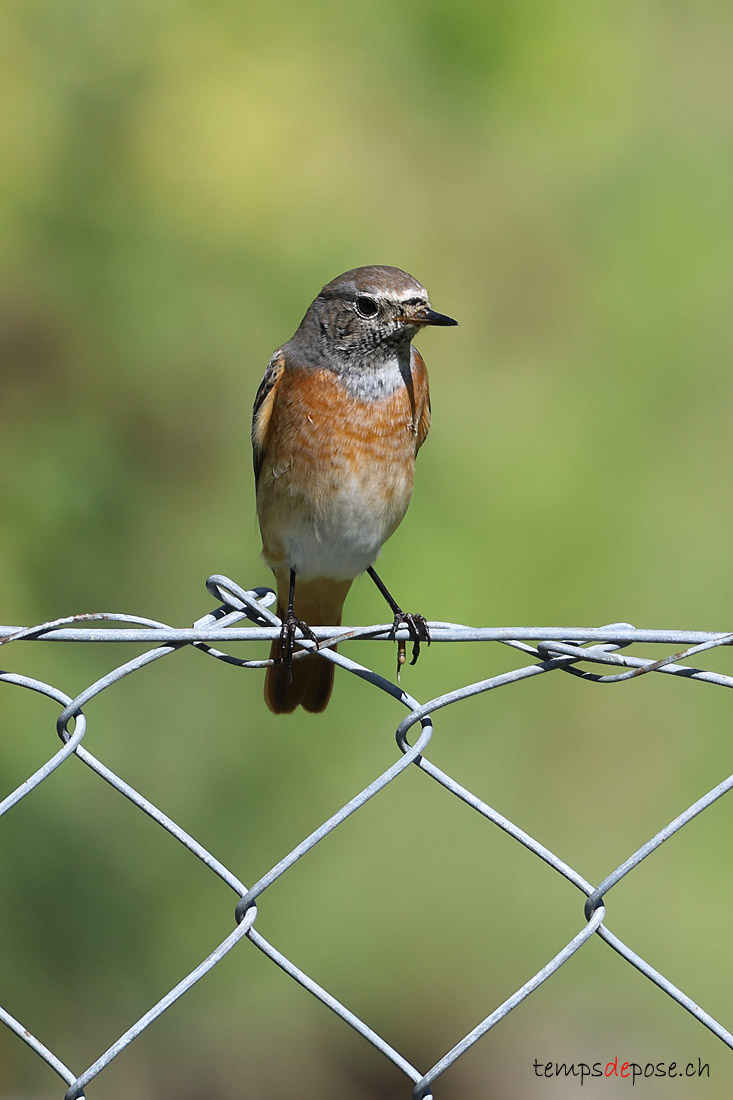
[179, 180]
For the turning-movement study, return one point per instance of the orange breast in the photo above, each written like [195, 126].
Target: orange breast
[337, 471]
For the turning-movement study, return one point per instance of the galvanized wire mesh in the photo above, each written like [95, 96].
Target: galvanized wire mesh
[556, 649]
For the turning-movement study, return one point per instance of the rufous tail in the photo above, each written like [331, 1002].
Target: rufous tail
[310, 680]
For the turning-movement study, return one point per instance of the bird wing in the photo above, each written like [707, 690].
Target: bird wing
[262, 411]
[421, 414]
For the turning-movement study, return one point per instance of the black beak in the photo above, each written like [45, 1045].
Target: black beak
[427, 316]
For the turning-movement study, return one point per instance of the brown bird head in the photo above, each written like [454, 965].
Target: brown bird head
[367, 313]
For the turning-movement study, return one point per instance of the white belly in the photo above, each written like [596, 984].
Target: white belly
[341, 535]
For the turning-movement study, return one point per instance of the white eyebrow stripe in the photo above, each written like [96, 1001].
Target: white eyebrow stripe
[417, 294]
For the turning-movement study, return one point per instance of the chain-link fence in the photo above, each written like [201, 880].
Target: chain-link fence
[568, 650]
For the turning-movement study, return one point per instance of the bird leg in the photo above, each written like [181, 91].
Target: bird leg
[416, 625]
[290, 627]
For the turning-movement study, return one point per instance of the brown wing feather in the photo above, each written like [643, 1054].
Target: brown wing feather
[422, 398]
[262, 410]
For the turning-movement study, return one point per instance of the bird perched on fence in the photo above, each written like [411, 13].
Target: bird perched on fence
[339, 417]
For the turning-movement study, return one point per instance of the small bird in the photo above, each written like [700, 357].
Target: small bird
[340, 414]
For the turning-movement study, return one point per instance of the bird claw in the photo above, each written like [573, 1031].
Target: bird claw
[290, 627]
[419, 632]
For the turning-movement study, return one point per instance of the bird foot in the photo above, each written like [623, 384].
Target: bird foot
[291, 625]
[418, 630]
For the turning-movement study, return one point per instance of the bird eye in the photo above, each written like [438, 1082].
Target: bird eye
[367, 307]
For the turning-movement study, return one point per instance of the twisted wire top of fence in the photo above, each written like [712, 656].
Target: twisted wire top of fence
[566, 649]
